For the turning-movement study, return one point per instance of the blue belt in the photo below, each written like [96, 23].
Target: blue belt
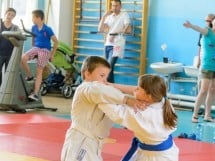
[159, 147]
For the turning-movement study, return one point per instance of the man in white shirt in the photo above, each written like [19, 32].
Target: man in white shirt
[114, 22]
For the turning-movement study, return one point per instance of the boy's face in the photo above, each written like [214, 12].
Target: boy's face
[10, 15]
[36, 19]
[99, 74]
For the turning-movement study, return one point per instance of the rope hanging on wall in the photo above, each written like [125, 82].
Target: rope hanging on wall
[47, 12]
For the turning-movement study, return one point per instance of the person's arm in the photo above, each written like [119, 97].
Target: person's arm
[55, 45]
[117, 113]
[127, 24]
[123, 115]
[99, 92]
[203, 31]
[198, 60]
[129, 99]
[33, 38]
[1, 23]
[129, 89]
[32, 41]
[102, 27]
[127, 29]
[197, 65]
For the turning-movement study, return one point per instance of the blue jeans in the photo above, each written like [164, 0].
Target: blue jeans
[112, 61]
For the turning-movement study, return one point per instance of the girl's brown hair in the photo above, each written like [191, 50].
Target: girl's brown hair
[156, 87]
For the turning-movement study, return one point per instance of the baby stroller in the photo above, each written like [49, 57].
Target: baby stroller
[65, 73]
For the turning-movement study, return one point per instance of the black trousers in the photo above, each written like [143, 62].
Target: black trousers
[4, 60]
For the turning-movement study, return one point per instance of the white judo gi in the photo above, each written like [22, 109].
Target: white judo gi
[84, 139]
[148, 127]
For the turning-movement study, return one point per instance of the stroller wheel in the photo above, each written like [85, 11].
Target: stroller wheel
[43, 89]
[67, 91]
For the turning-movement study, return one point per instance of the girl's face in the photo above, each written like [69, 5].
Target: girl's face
[99, 74]
[140, 94]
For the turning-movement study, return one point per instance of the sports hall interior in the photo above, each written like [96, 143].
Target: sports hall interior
[157, 33]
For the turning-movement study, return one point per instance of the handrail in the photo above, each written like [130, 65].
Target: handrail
[16, 34]
[27, 31]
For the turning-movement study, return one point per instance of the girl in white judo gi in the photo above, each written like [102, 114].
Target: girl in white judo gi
[153, 126]
[89, 127]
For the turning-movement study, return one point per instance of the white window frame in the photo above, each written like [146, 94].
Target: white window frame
[23, 9]
[0, 7]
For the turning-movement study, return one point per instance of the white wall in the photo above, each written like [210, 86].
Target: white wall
[60, 19]
[65, 32]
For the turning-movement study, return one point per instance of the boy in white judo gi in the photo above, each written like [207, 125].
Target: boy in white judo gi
[89, 127]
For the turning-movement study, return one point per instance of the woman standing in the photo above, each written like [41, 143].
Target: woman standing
[207, 88]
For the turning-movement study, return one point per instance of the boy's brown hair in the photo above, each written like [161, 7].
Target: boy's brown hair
[38, 13]
[92, 62]
[10, 10]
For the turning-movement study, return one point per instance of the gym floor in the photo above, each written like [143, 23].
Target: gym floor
[39, 135]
